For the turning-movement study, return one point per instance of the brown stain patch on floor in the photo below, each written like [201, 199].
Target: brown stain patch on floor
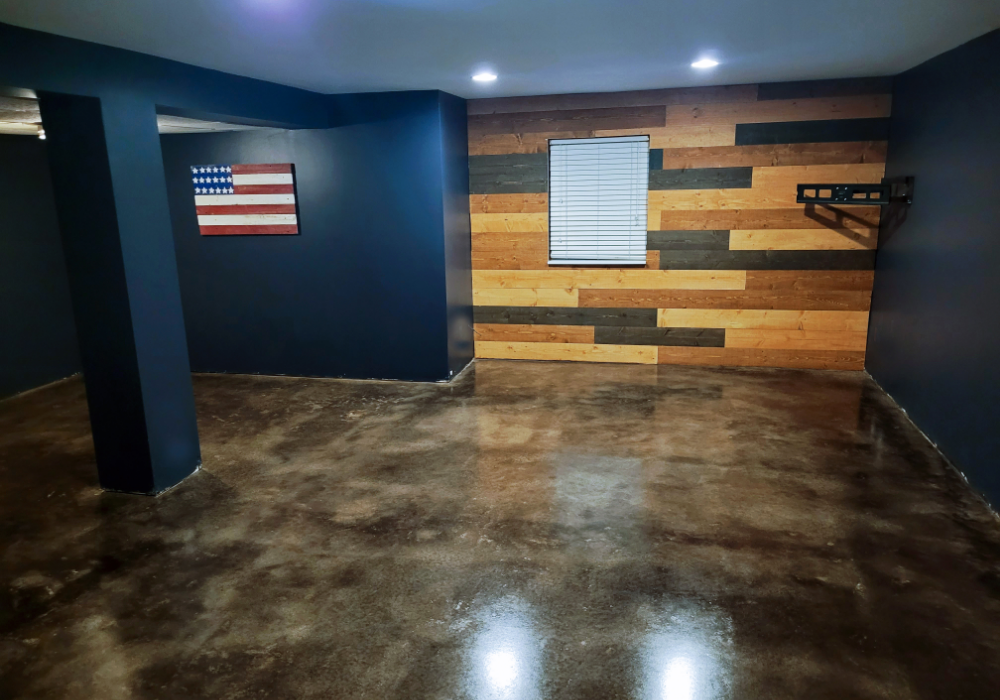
[532, 530]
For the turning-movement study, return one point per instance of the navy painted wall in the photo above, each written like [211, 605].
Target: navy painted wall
[362, 291]
[934, 339]
[458, 238]
[36, 317]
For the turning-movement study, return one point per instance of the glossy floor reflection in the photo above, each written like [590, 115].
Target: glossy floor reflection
[533, 530]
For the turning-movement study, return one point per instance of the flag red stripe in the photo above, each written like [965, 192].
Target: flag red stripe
[264, 189]
[262, 168]
[247, 230]
[235, 209]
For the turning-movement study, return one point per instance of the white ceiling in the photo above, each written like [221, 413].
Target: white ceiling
[537, 46]
[21, 116]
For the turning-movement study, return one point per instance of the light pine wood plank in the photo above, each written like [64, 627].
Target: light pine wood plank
[675, 158]
[679, 136]
[753, 357]
[851, 321]
[770, 339]
[525, 297]
[652, 260]
[773, 188]
[597, 100]
[515, 223]
[810, 109]
[526, 333]
[580, 352]
[608, 279]
[786, 178]
[803, 239]
[533, 203]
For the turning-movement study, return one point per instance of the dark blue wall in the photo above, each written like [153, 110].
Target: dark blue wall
[363, 291]
[36, 318]
[934, 339]
[458, 239]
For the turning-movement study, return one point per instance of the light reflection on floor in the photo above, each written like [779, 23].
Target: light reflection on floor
[688, 652]
[505, 657]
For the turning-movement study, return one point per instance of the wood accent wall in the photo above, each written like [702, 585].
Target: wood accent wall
[736, 272]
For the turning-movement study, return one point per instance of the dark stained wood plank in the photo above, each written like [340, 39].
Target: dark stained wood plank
[724, 299]
[821, 131]
[567, 120]
[769, 155]
[631, 98]
[565, 316]
[767, 260]
[686, 240]
[824, 88]
[806, 216]
[701, 179]
[681, 337]
[506, 174]
[655, 159]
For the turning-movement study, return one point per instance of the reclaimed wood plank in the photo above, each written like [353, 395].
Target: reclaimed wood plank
[608, 279]
[635, 354]
[526, 297]
[857, 218]
[510, 203]
[567, 120]
[630, 98]
[767, 260]
[772, 319]
[775, 155]
[509, 173]
[831, 300]
[686, 240]
[700, 178]
[682, 337]
[519, 223]
[558, 316]
[803, 239]
[751, 357]
[770, 111]
[821, 131]
[782, 339]
[527, 333]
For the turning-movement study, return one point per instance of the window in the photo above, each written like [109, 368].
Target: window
[598, 192]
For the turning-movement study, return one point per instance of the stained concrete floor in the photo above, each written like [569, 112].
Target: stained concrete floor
[532, 530]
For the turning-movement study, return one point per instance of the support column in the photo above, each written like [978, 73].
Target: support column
[110, 191]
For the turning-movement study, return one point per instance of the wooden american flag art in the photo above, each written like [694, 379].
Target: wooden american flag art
[246, 199]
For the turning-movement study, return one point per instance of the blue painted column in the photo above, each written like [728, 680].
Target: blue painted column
[110, 191]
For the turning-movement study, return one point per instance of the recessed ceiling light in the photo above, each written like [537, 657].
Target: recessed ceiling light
[484, 77]
[705, 63]
[41, 133]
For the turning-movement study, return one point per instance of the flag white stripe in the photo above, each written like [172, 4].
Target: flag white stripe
[245, 219]
[263, 179]
[216, 200]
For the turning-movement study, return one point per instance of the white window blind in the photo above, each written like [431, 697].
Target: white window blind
[598, 190]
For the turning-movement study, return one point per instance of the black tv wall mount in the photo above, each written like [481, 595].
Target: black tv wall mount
[890, 191]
